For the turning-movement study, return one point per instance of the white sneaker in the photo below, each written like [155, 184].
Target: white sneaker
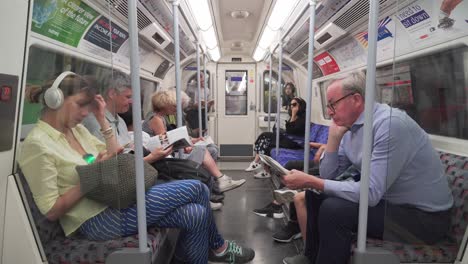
[215, 206]
[284, 195]
[263, 174]
[253, 166]
[226, 183]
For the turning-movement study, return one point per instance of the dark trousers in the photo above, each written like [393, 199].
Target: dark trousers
[299, 165]
[192, 118]
[332, 226]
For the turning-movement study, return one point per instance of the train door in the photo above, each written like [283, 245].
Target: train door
[236, 109]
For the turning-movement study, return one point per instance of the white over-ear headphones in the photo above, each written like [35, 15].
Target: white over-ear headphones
[53, 97]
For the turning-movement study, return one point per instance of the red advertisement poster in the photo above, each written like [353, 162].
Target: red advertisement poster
[326, 63]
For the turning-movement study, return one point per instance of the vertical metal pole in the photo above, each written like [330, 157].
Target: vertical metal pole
[368, 120]
[310, 66]
[269, 91]
[175, 13]
[278, 96]
[200, 129]
[205, 85]
[135, 76]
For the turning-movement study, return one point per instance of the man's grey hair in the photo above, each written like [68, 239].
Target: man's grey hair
[354, 82]
[116, 80]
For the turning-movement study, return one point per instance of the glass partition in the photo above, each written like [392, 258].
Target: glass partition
[425, 198]
[236, 86]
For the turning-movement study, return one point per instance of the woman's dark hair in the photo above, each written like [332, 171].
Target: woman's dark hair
[302, 107]
[293, 88]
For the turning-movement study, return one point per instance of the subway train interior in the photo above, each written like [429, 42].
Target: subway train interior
[176, 131]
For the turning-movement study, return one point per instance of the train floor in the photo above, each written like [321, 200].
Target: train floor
[236, 221]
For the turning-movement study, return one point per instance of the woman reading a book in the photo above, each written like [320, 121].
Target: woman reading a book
[164, 103]
[58, 143]
[295, 126]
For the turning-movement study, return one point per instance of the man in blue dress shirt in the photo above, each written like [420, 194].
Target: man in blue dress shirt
[407, 186]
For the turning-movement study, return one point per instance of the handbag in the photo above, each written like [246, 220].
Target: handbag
[181, 169]
[113, 182]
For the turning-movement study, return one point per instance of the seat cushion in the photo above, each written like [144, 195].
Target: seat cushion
[456, 170]
[76, 250]
[443, 252]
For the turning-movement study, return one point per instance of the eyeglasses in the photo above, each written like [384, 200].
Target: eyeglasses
[332, 106]
[293, 104]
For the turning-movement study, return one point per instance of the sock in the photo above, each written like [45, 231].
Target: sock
[442, 14]
[222, 252]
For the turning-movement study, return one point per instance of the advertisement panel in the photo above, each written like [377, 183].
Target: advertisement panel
[63, 20]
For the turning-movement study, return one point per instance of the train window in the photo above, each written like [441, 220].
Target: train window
[45, 64]
[323, 95]
[266, 84]
[432, 89]
[436, 92]
[236, 86]
[192, 82]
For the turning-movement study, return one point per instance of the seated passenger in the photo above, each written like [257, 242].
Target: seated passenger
[164, 105]
[406, 179]
[291, 230]
[267, 140]
[170, 168]
[289, 92]
[57, 144]
[118, 97]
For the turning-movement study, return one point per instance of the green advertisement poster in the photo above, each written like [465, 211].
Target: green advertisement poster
[62, 20]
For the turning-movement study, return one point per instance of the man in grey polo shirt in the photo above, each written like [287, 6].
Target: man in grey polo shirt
[407, 186]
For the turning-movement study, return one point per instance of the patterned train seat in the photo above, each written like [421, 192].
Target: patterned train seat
[456, 169]
[60, 249]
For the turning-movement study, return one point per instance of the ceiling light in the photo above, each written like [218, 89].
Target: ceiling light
[280, 13]
[240, 14]
[201, 12]
[214, 53]
[259, 54]
[267, 38]
[210, 38]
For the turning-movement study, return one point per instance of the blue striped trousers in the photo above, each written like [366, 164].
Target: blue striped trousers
[179, 204]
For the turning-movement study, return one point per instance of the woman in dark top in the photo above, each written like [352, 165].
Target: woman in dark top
[289, 92]
[267, 140]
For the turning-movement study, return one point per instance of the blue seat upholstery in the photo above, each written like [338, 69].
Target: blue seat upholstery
[318, 133]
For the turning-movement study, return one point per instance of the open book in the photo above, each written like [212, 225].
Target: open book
[275, 167]
[177, 138]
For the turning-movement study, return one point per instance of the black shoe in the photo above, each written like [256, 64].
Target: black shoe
[271, 210]
[216, 198]
[288, 233]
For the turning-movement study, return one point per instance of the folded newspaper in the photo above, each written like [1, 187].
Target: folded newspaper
[275, 167]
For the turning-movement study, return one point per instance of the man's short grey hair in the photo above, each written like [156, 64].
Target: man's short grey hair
[354, 82]
[117, 80]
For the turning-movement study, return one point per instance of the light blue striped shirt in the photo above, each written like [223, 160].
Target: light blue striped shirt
[405, 168]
